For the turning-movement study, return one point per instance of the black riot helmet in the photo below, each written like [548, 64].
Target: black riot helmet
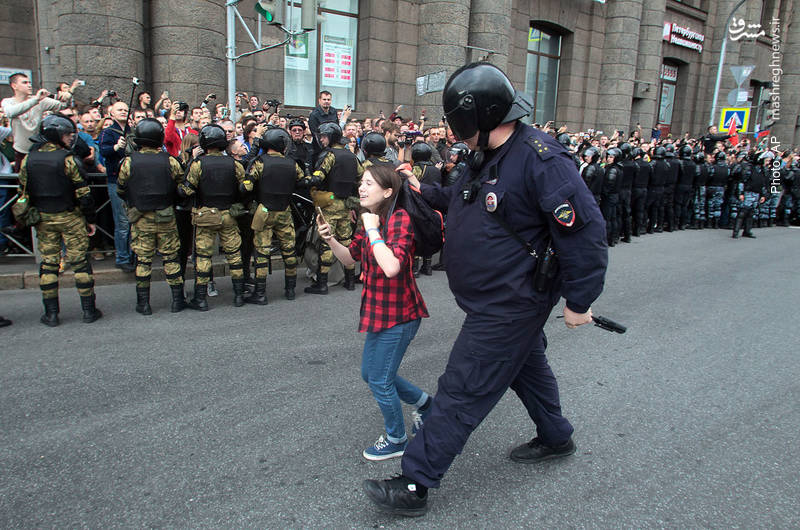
[720, 156]
[564, 139]
[699, 157]
[670, 151]
[213, 136]
[373, 144]
[637, 152]
[421, 152]
[741, 155]
[149, 133]
[616, 153]
[332, 131]
[276, 139]
[477, 98]
[459, 149]
[625, 147]
[53, 127]
[659, 152]
[686, 151]
[593, 153]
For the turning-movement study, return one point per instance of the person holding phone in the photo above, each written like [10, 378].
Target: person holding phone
[391, 304]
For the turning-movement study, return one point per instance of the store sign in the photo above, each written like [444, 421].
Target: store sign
[669, 73]
[681, 36]
[431, 82]
[5, 73]
[337, 61]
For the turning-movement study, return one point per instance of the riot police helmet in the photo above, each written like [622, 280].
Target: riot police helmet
[699, 157]
[276, 139]
[625, 147]
[659, 152]
[686, 151]
[149, 133]
[478, 97]
[213, 137]
[637, 152]
[421, 152]
[332, 131]
[54, 127]
[616, 153]
[720, 156]
[564, 139]
[593, 154]
[670, 153]
[373, 144]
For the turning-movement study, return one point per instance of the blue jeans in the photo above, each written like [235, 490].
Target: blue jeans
[122, 228]
[383, 351]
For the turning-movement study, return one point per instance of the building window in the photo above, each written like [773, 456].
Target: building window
[666, 103]
[324, 59]
[541, 73]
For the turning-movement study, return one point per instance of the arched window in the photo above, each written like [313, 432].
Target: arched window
[541, 72]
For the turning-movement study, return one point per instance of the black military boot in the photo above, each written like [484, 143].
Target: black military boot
[290, 283]
[350, 279]
[259, 295]
[715, 223]
[178, 299]
[748, 228]
[143, 301]
[90, 311]
[770, 222]
[320, 286]
[440, 266]
[238, 292]
[50, 317]
[427, 269]
[416, 267]
[199, 301]
[737, 225]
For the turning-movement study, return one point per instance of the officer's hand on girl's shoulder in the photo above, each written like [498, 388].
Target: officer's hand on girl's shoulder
[572, 319]
[90, 229]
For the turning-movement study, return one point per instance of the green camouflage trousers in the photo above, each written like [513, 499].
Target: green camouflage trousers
[338, 216]
[281, 224]
[149, 237]
[231, 242]
[70, 228]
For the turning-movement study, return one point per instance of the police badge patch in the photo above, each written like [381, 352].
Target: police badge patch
[566, 217]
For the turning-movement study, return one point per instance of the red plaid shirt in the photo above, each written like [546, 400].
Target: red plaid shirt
[386, 302]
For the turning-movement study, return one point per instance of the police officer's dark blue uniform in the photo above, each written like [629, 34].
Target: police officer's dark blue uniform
[531, 181]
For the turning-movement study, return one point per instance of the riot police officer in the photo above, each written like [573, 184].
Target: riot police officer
[683, 189]
[592, 173]
[525, 177]
[217, 181]
[55, 184]
[670, 182]
[767, 212]
[456, 163]
[147, 182]
[373, 145]
[625, 187]
[655, 191]
[699, 190]
[336, 176]
[428, 173]
[751, 193]
[275, 177]
[639, 194]
[717, 180]
[609, 201]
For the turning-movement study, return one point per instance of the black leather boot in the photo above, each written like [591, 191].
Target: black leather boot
[320, 286]
[350, 279]
[199, 301]
[178, 299]
[290, 283]
[143, 301]
[748, 228]
[427, 269]
[737, 225]
[238, 292]
[259, 296]
[90, 311]
[50, 317]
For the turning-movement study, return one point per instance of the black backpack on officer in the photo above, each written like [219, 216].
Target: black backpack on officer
[428, 223]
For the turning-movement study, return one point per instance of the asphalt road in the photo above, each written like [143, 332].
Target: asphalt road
[256, 417]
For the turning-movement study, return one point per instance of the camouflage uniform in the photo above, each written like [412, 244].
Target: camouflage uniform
[67, 227]
[205, 237]
[150, 234]
[337, 214]
[279, 223]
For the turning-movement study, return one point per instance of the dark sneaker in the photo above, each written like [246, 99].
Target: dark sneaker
[397, 495]
[535, 451]
[384, 450]
[126, 267]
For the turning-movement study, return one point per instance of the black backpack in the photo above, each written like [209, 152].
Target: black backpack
[428, 223]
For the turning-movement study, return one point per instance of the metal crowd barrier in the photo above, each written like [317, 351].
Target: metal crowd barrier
[22, 251]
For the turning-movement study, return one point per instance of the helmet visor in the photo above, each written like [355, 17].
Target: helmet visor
[463, 119]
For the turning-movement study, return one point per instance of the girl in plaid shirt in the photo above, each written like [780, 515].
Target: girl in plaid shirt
[391, 305]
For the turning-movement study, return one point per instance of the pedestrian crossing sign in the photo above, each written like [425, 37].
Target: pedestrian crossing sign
[734, 119]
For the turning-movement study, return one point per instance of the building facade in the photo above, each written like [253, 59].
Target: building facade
[585, 63]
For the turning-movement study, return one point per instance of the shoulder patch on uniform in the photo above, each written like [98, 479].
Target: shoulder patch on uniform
[567, 217]
[543, 150]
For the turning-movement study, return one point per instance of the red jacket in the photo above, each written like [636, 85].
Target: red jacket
[173, 137]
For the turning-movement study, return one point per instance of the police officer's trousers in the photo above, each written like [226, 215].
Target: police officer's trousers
[489, 356]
